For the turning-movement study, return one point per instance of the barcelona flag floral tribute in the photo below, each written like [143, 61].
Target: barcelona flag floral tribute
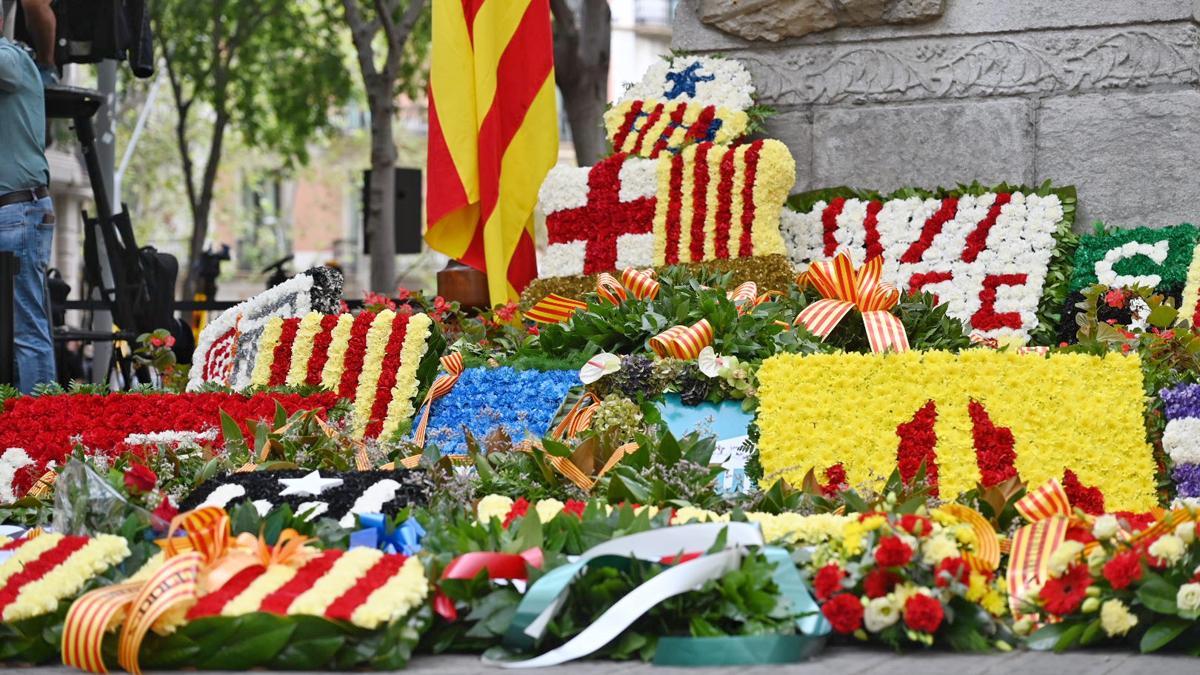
[960, 424]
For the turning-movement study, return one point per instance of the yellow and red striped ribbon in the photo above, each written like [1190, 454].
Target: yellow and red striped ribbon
[579, 417]
[641, 284]
[746, 296]
[986, 556]
[1165, 525]
[1049, 514]
[683, 342]
[843, 288]
[87, 621]
[171, 586]
[44, 487]
[609, 289]
[206, 549]
[453, 365]
[554, 309]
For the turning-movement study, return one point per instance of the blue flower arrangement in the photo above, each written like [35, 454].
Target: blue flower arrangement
[522, 402]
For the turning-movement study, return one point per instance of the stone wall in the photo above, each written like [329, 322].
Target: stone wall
[1102, 95]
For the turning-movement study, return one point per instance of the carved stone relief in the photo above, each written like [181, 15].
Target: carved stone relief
[774, 20]
[958, 67]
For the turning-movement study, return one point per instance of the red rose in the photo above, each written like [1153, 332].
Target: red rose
[1065, 594]
[951, 570]
[892, 552]
[828, 581]
[918, 526]
[923, 613]
[1115, 298]
[518, 510]
[845, 613]
[1123, 569]
[879, 582]
[140, 479]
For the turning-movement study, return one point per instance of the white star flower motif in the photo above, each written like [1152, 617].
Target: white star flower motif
[311, 485]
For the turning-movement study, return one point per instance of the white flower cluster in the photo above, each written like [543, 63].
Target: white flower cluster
[1107, 275]
[1181, 440]
[566, 187]
[292, 298]
[12, 461]
[724, 83]
[1020, 242]
[174, 438]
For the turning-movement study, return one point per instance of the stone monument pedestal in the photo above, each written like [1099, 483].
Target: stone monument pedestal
[1102, 95]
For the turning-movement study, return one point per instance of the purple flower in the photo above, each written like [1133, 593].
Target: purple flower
[1182, 401]
[1187, 479]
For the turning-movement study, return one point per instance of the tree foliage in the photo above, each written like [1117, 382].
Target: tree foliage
[270, 69]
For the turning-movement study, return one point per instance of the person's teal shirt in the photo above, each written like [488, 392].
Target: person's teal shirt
[22, 121]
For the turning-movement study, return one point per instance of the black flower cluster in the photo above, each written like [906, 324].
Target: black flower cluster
[327, 289]
[416, 488]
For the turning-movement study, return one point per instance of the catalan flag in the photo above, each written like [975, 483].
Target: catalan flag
[493, 134]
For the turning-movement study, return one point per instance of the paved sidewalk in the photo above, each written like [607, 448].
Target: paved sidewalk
[840, 661]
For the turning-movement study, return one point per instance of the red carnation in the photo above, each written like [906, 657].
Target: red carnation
[951, 570]
[575, 507]
[893, 552]
[140, 479]
[879, 582]
[835, 480]
[1065, 594]
[518, 510]
[1087, 499]
[828, 581]
[1123, 569]
[845, 613]
[923, 613]
[1080, 534]
[165, 512]
[918, 526]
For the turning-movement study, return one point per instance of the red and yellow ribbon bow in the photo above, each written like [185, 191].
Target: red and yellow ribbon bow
[1049, 514]
[202, 560]
[640, 285]
[683, 342]
[579, 417]
[746, 296]
[844, 289]
[453, 365]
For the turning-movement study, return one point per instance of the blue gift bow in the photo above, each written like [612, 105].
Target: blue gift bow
[406, 538]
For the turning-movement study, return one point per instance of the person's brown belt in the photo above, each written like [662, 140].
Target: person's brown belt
[22, 196]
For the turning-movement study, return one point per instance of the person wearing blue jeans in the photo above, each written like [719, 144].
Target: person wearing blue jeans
[26, 213]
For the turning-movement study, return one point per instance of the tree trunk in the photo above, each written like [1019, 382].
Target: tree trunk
[381, 215]
[202, 204]
[585, 114]
[581, 60]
